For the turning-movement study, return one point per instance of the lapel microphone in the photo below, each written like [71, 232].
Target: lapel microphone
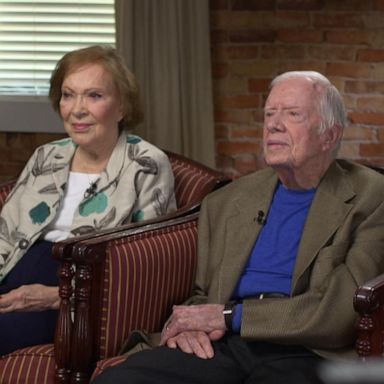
[260, 218]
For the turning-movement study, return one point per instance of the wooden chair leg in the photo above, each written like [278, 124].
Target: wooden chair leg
[63, 335]
[82, 340]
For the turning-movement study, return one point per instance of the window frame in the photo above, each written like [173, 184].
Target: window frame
[30, 113]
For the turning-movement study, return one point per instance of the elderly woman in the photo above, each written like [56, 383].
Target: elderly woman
[99, 177]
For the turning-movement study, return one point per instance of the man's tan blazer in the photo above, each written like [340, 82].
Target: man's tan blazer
[342, 246]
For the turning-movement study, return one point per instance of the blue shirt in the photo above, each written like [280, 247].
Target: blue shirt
[272, 259]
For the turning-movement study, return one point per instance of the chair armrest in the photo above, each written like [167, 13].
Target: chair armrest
[369, 304]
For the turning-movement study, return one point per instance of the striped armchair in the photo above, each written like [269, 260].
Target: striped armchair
[129, 281]
[53, 362]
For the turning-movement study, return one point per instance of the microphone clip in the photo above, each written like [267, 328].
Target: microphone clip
[261, 218]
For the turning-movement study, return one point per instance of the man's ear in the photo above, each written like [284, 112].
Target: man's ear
[332, 136]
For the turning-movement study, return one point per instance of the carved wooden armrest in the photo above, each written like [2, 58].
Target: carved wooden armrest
[369, 303]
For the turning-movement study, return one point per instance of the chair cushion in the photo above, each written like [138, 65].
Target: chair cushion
[31, 365]
[102, 365]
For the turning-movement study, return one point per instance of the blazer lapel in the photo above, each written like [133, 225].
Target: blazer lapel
[329, 208]
[116, 162]
[241, 230]
[61, 164]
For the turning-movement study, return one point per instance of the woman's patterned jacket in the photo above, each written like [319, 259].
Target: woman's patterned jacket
[137, 184]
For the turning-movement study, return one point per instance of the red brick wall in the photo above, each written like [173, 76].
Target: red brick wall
[254, 40]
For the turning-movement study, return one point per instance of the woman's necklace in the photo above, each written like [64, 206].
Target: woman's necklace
[81, 165]
[92, 189]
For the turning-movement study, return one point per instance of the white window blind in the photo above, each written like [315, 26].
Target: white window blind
[35, 34]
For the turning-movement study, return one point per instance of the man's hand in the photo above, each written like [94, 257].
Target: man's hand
[206, 318]
[28, 298]
[193, 342]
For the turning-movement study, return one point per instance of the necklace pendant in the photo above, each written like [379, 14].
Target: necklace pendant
[90, 191]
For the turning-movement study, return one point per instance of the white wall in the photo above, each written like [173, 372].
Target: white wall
[28, 115]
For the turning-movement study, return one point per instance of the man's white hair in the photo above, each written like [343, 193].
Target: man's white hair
[331, 105]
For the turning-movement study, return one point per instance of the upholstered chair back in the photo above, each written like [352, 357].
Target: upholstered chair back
[193, 181]
[5, 189]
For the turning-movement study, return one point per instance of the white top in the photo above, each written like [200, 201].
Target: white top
[77, 184]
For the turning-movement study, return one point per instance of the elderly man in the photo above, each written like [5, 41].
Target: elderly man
[281, 252]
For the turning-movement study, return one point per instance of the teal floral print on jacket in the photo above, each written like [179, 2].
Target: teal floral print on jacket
[39, 213]
[95, 204]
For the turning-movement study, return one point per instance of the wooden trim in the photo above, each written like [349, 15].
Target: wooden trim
[369, 303]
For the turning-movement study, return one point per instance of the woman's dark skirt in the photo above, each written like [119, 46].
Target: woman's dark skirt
[22, 329]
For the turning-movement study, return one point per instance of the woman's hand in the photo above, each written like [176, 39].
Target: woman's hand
[28, 298]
